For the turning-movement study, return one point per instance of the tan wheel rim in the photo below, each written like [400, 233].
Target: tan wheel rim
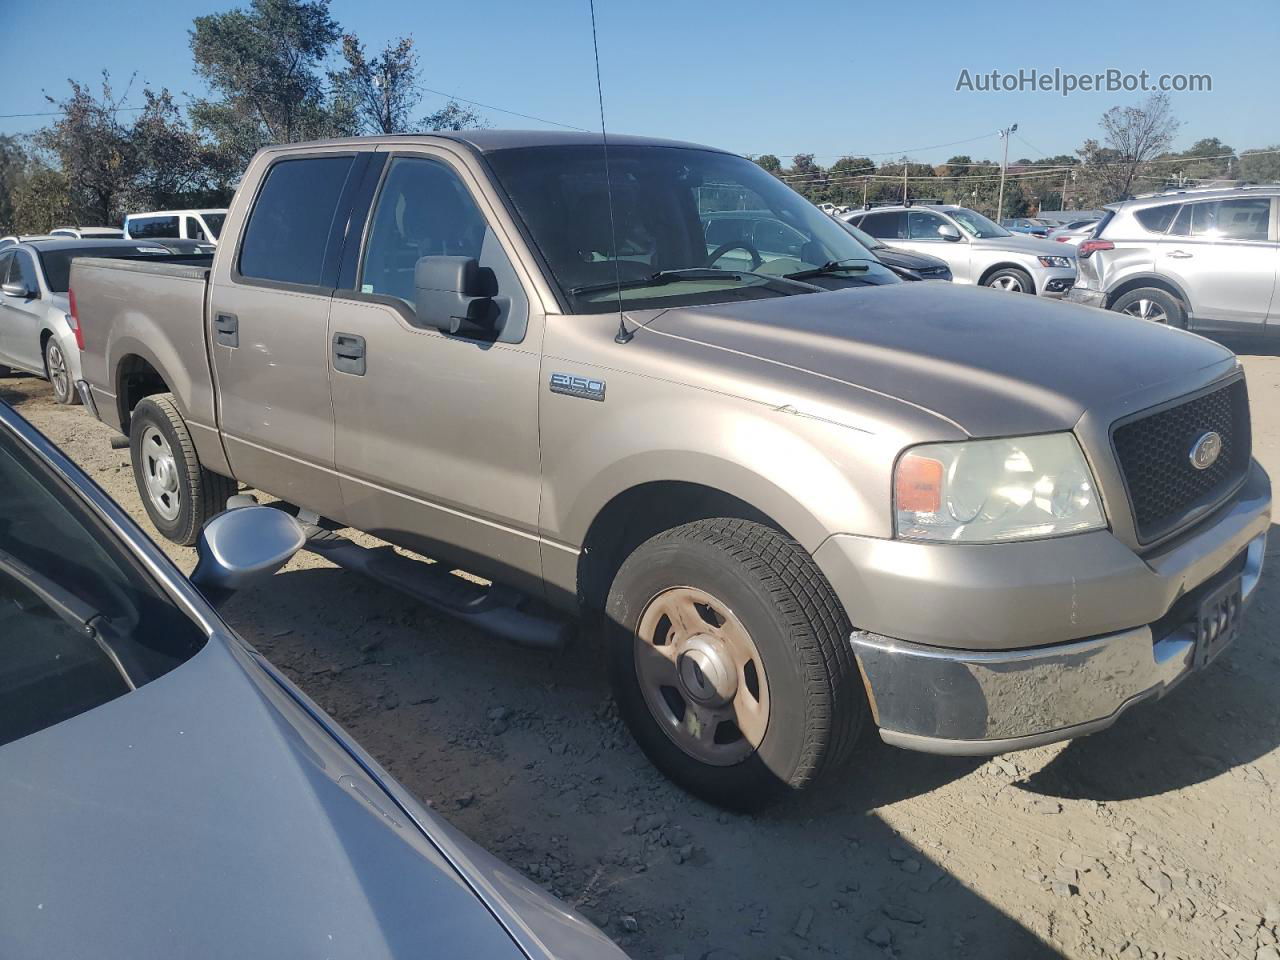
[702, 676]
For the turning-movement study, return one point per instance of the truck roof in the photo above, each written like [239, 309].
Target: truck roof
[490, 141]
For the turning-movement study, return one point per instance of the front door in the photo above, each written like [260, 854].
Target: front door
[436, 434]
[1223, 253]
[23, 315]
[268, 330]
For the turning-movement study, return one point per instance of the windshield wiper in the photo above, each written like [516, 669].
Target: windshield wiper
[674, 276]
[849, 264]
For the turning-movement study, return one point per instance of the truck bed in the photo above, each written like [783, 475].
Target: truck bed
[143, 315]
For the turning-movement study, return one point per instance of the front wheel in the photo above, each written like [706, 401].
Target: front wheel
[731, 663]
[1011, 280]
[179, 494]
[55, 365]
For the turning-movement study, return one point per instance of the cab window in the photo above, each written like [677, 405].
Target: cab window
[425, 210]
[886, 226]
[923, 225]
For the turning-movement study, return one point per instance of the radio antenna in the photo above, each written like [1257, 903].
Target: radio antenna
[623, 335]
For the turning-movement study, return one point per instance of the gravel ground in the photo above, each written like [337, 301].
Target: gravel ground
[1157, 838]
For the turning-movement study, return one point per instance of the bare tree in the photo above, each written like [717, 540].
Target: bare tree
[1132, 136]
[381, 90]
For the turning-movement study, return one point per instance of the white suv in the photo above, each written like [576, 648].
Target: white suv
[201, 225]
[1203, 259]
[976, 249]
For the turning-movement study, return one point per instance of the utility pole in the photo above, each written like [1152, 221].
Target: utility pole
[1004, 135]
[865, 181]
[1064, 189]
[904, 181]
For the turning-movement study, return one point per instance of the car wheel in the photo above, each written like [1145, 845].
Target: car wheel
[730, 661]
[5, 371]
[179, 494]
[1154, 304]
[55, 367]
[1011, 280]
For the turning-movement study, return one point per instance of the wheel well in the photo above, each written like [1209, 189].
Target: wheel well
[982, 280]
[136, 379]
[1136, 283]
[44, 338]
[644, 511]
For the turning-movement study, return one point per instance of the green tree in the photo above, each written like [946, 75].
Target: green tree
[1132, 136]
[1261, 166]
[264, 63]
[13, 171]
[41, 200]
[94, 151]
[452, 116]
[769, 162]
[382, 89]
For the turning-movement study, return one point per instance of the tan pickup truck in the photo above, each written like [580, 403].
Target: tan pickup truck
[792, 495]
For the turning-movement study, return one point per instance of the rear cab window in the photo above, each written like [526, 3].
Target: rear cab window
[149, 227]
[81, 622]
[288, 231]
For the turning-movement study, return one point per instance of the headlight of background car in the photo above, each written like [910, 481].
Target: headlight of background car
[1055, 261]
[980, 491]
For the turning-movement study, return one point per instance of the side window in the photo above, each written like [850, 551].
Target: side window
[886, 226]
[194, 232]
[1244, 218]
[145, 227]
[6, 261]
[773, 236]
[288, 229]
[23, 271]
[1157, 219]
[722, 230]
[425, 210]
[923, 225]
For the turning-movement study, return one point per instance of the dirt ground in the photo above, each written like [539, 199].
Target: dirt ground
[1157, 838]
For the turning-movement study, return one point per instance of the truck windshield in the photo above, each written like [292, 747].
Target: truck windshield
[692, 227]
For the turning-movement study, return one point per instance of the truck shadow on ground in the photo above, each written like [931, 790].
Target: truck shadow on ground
[557, 785]
[1215, 722]
[15, 389]
[1249, 346]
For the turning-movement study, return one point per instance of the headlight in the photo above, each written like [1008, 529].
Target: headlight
[1055, 261]
[982, 491]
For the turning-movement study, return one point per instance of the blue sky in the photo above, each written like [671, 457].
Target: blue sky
[748, 76]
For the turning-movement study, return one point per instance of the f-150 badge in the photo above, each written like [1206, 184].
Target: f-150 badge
[575, 386]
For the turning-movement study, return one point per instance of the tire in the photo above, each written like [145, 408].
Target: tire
[735, 576]
[59, 373]
[178, 493]
[5, 371]
[1011, 279]
[1154, 304]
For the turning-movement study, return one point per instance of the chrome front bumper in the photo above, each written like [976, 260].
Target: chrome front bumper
[982, 702]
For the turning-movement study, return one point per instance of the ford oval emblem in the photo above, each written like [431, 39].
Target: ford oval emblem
[1205, 452]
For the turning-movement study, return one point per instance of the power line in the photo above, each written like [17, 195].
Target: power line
[512, 113]
[887, 153]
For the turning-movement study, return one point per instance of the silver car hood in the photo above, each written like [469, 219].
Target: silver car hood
[993, 363]
[206, 815]
[1021, 243]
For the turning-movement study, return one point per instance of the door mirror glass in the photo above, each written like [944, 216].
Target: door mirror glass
[243, 545]
[455, 295]
[948, 232]
[14, 289]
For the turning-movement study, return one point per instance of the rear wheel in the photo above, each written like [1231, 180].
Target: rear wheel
[1011, 280]
[1154, 304]
[179, 494]
[55, 365]
[731, 663]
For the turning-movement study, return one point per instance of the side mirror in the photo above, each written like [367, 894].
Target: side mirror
[455, 295]
[242, 545]
[948, 232]
[16, 290]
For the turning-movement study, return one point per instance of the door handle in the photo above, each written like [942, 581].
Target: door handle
[1180, 255]
[226, 329]
[348, 354]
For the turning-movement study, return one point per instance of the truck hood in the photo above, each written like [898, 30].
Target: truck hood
[1022, 243]
[989, 362]
[206, 815]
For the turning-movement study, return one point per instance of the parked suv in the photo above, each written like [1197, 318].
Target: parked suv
[204, 225]
[977, 250]
[1205, 260]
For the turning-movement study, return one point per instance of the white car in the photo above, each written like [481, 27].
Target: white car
[202, 225]
[1075, 231]
[38, 331]
[976, 249]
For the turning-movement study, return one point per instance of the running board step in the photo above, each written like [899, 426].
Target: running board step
[495, 609]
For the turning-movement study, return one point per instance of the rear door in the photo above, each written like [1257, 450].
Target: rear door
[437, 435]
[1224, 254]
[267, 326]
